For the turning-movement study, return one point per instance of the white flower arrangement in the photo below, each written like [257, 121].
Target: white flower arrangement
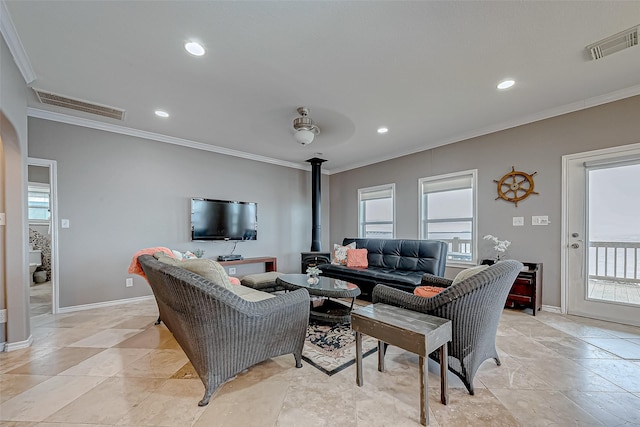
[500, 245]
[313, 271]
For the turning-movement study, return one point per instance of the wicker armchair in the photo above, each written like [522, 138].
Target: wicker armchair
[473, 305]
[221, 333]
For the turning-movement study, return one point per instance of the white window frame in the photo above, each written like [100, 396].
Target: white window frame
[369, 193]
[422, 210]
[38, 187]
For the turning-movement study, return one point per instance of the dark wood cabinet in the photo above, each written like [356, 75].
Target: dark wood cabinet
[527, 289]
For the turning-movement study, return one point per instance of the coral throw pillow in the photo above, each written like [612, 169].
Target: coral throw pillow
[357, 258]
[340, 253]
[427, 291]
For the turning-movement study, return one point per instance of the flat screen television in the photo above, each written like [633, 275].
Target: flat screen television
[223, 220]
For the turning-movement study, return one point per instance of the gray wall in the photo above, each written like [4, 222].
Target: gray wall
[536, 147]
[122, 194]
[13, 236]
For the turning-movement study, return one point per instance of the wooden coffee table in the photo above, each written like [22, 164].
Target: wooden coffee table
[329, 311]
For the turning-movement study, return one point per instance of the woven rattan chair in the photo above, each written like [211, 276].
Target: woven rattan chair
[473, 305]
[221, 333]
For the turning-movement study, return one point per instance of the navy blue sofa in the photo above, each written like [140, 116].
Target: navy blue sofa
[399, 263]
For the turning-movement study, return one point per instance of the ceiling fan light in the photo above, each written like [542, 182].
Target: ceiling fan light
[304, 136]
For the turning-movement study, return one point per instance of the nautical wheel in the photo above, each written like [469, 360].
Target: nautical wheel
[515, 186]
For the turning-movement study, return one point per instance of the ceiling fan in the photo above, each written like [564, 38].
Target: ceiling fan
[306, 130]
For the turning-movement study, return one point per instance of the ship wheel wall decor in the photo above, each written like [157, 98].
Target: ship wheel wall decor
[515, 186]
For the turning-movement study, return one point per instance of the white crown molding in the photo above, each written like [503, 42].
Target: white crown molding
[10, 35]
[123, 130]
[542, 115]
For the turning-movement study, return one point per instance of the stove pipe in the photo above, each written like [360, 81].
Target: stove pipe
[316, 202]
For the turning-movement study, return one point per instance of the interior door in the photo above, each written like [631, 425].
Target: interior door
[601, 234]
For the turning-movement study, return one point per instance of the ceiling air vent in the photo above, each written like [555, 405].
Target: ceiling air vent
[614, 43]
[78, 105]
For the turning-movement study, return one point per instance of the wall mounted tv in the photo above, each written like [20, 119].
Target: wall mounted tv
[223, 220]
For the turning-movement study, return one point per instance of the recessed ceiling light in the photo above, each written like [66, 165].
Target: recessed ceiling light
[506, 84]
[162, 114]
[194, 48]
[383, 130]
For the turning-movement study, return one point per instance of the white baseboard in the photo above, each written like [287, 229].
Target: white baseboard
[551, 309]
[11, 346]
[103, 304]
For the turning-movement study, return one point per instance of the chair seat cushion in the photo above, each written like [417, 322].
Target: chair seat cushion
[427, 291]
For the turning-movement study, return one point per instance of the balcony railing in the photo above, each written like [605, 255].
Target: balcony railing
[458, 249]
[619, 261]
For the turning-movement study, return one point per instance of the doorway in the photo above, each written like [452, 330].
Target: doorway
[43, 236]
[601, 234]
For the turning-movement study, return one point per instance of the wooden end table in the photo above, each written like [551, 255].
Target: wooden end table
[410, 330]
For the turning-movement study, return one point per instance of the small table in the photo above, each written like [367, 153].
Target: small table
[329, 311]
[410, 330]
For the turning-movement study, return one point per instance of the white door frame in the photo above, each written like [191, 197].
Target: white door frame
[53, 200]
[564, 238]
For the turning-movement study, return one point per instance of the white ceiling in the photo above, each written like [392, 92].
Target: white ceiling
[426, 70]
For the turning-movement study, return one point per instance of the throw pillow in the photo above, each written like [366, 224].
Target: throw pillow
[207, 268]
[357, 258]
[189, 255]
[465, 274]
[427, 291]
[340, 253]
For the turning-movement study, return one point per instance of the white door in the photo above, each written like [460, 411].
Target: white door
[601, 234]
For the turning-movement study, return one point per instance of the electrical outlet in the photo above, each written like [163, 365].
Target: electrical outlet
[129, 282]
[540, 220]
[232, 270]
[3, 315]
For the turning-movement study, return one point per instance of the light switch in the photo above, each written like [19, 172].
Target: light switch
[3, 218]
[64, 223]
[540, 220]
[518, 221]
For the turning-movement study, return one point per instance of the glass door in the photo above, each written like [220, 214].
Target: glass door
[602, 252]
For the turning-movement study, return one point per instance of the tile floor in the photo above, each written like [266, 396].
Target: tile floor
[40, 298]
[113, 367]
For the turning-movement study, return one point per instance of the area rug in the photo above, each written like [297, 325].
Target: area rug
[332, 348]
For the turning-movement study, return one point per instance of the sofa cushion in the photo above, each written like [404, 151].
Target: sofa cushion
[466, 273]
[357, 258]
[207, 268]
[340, 253]
[428, 256]
[250, 294]
[372, 275]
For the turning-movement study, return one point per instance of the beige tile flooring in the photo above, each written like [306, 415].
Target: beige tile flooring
[113, 367]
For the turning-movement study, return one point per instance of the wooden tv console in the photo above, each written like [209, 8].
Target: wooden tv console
[270, 263]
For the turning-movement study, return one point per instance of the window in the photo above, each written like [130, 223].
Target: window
[376, 212]
[38, 203]
[448, 212]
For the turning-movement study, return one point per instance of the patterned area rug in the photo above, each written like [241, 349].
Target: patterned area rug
[332, 348]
